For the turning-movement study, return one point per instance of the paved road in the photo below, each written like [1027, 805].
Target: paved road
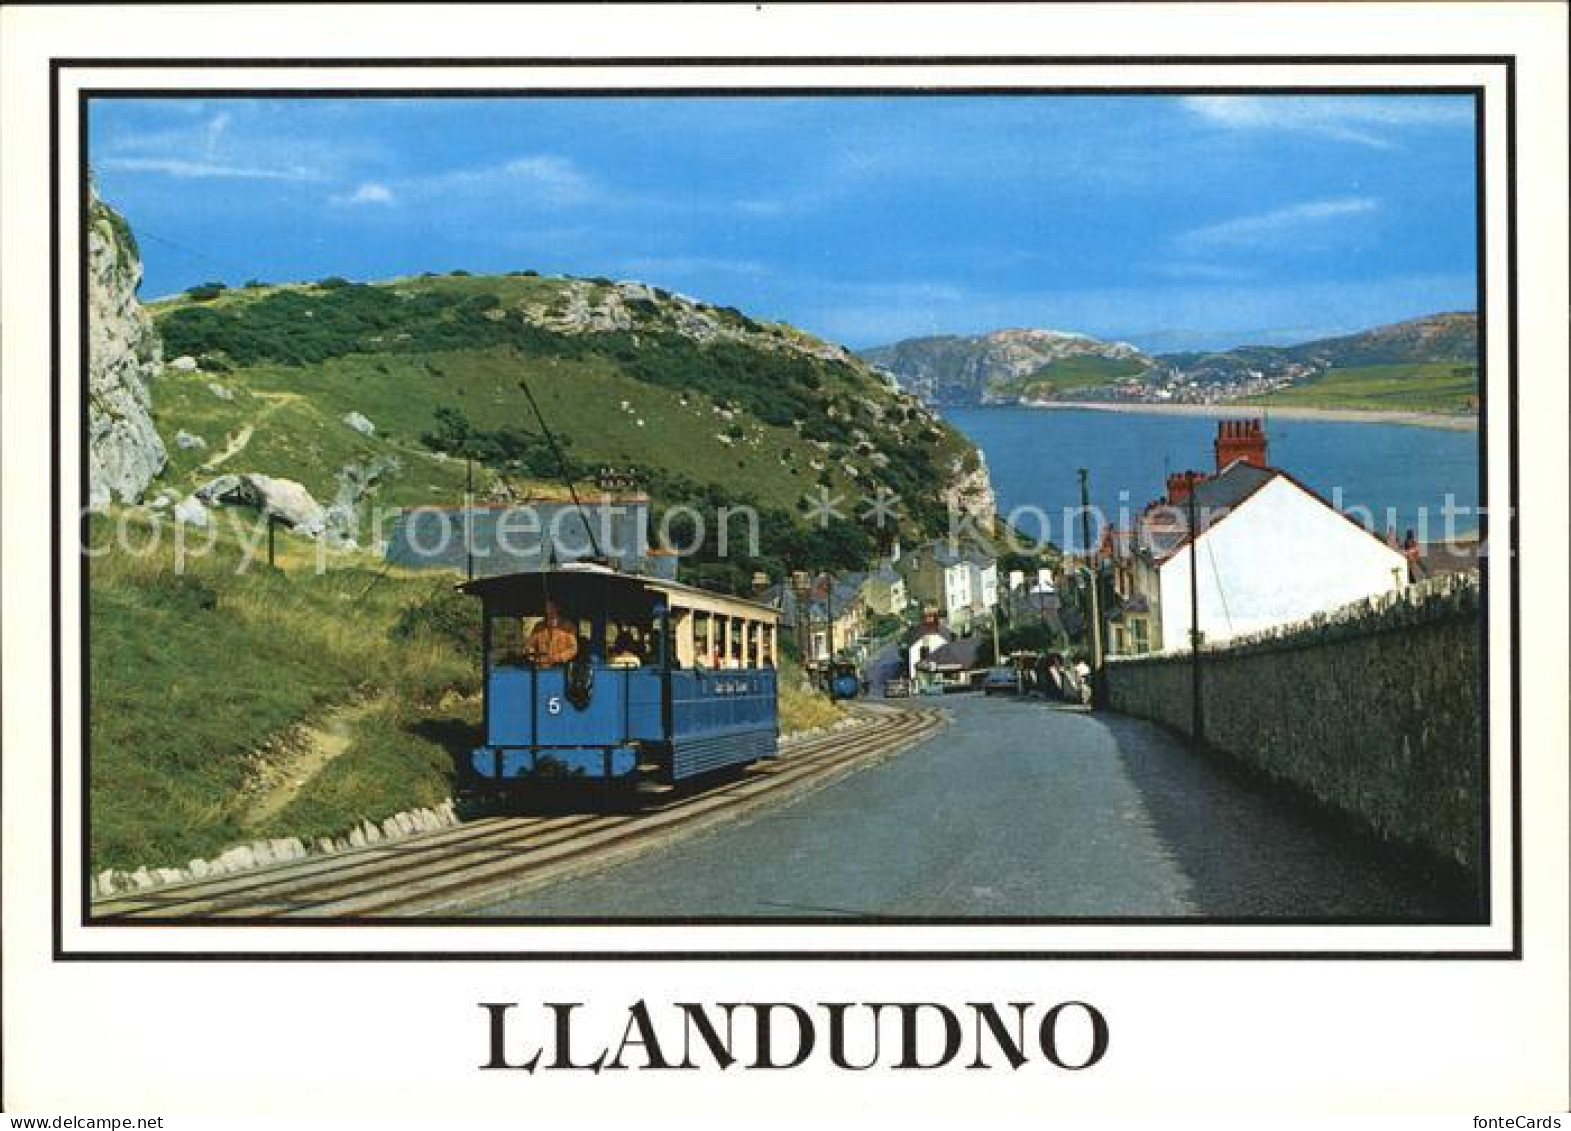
[1019, 809]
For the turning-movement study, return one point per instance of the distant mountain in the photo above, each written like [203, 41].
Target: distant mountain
[1015, 366]
[1005, 366]
[1451, 337]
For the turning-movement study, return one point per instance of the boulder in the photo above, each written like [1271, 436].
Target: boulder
[188, 440]
[283, 499]
[360, 424]
[238, 859]
[191, 512]
[185, 363]
[222, 392]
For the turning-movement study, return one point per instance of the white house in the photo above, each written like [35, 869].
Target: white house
[924, 640]
[1269, 551]
[957, 590]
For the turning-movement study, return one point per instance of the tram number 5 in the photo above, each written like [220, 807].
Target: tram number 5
[553, 705]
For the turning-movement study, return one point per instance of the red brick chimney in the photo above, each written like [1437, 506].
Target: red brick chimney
[1180, 483]
[1240, 440]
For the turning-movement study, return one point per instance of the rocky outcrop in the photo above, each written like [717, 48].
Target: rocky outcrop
[355, 482]
[988, 367]
[970, 489]
[589, 306]
[124, 451]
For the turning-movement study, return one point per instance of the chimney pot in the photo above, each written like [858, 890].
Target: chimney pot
[1240, 440]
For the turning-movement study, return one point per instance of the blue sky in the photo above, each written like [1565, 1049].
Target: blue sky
[1171, 222]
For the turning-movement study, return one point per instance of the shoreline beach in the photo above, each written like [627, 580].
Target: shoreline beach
[1446, 421]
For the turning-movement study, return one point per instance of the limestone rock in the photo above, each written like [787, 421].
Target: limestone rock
[284, 499]
[355, 481]
[185, 363]
[191, 512]
[360, 424]
[222, 392]
[124, 451]
[188, 440]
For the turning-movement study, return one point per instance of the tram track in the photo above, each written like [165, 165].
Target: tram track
[491, 858]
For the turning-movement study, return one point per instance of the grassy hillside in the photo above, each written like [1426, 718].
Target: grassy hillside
[1442, 386]
[1074, 374]
[230, 706]
[701, 399]
[200, 679]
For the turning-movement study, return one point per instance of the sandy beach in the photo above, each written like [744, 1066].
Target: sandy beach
[1447, 421]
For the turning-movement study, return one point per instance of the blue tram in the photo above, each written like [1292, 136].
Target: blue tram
[592, 674]
[844, 681]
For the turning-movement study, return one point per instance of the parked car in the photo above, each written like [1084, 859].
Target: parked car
[1001, 681]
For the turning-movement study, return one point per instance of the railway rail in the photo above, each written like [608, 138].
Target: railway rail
[490, 858]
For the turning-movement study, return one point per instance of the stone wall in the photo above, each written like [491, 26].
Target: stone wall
[1373, 711]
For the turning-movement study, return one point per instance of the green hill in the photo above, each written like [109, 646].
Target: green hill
[1435, 386]
[706, 404]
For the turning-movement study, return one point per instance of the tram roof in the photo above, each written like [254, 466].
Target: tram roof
[582, 578]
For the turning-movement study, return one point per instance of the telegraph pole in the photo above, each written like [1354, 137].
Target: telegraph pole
[1197, 712]
[1096, 597]
[829, 617]
[469, 503]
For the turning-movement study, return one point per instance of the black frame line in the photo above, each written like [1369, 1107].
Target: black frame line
[84, 97]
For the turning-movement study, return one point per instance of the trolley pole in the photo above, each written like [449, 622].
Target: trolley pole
[1096, 596]
[1197, 711]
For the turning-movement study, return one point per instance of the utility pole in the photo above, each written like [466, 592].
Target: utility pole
[802, 588]
[1197, 712]
[829, 616]
[1096, 596]
[469, 497]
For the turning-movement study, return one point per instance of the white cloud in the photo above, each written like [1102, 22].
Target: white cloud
[1363, 119]
[226, 145]
[1264, 227]
[368, 193]
[546, 178]
[182, 167]
[654, 266]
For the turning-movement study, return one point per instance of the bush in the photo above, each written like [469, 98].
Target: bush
[446, 615]
[207, 292]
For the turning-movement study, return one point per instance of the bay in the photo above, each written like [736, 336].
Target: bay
[1399, 474]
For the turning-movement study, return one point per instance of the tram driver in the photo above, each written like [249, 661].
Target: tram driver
[552, 642]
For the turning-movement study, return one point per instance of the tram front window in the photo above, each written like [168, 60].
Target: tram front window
[553, 640]
[549, 640]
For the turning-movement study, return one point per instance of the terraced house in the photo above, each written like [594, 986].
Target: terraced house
[960, 582]
[1268, 550]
